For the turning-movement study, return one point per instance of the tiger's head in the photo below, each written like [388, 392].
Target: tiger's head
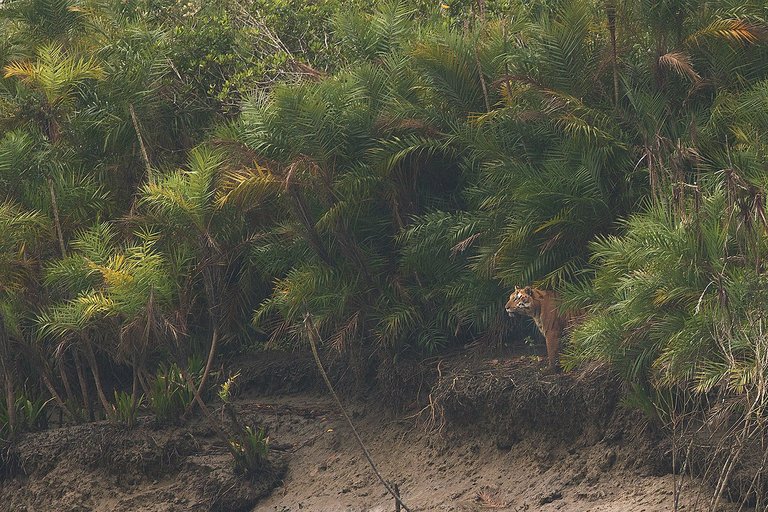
[521, 301]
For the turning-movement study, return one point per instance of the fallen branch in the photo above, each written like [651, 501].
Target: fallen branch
[314, 337]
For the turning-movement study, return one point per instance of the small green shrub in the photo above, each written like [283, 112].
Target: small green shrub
[125, 410]
[30, 415]
[251, 451]
[225, 390]
[170, 394]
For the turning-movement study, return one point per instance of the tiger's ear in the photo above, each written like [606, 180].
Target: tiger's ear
[528, 290]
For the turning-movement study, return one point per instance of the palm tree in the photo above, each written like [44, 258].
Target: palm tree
[183, 208]
[126, 293]
[56, 77]
[20, 233]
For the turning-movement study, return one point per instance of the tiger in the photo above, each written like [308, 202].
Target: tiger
[541, 305]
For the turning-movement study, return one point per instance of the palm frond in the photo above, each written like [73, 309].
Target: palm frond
[248, 188]
[734, 31]
[681, 64]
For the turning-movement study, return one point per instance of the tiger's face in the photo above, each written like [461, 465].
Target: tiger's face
[520, 301]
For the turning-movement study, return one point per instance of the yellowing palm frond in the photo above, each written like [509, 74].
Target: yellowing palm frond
[248, 188]
[19, 69]
[732, 30]
[576, 126]
[168, 198]
[114, 273]
[93, 306]
[54, 72]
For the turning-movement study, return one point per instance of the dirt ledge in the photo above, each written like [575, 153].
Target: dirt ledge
[106, 467]
[478, 432]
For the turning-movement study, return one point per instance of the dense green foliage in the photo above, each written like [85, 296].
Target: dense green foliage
[180, 176]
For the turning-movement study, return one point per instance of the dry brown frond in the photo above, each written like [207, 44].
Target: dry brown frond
[340, 340]
[680, 63]
[530, 115]
[240, 156]
[400, 288]
[308, 70]
[516, 79]
[553, 98]
[388, 124]
[277, 335]
[464, 244]
[551, 242]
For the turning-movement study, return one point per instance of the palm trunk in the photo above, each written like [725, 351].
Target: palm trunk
[482, 78]
[208, 365]
[56, 219]
[10, 395]
[134, 393]
[65, 380]
[108, 410]
[213, 310]
[143, 149]
[57, 397]
[83, 386]
[506, 66]
[10, 400]
[610, 10]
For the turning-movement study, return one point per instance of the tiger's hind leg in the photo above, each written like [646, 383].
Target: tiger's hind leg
[553, 351]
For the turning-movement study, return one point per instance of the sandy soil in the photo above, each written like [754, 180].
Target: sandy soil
[495, 434]
[454, 473]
